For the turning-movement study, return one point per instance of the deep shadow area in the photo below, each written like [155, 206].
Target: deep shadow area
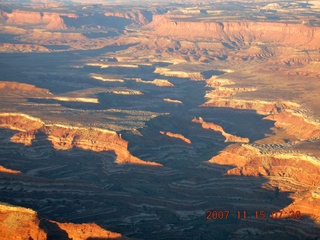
[54, 232]
[97, 19]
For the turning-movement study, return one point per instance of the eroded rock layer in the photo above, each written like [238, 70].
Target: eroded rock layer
[229, 137]
[67, 137]
[236, 33]
[24, 223]
[247, 160]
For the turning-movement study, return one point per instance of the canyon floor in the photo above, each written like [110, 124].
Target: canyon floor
[160, 121]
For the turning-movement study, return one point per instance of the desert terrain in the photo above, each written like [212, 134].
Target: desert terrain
[159, 119]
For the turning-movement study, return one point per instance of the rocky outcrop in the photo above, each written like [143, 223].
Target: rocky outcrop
[21, 122]
[9, 47]
[7, 170]
[139, 18]
[24, 223]
[262, 107]
[246, 160]
[48, 19]
[176, 135]
[296, 124]
[22, 87]
[249, 161]
[221, 92]
[157, 82]
[25, 138]
[180, 74]
[86, 231]
[172, 100]
[66, 137]
[229, 137]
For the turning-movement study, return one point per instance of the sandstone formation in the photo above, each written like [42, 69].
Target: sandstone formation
[176, 135]
[86, 231]
[296, 124]
[73, 99]
[9, 47]
[48, 19]
[223, 92]
[105, 79]
[21, 223]
[285, 113]
[7, 170]
[229, 137]
[172, 100]
[139, 18]
[262, 107]
[157, 82]
[236, 33]
[67, 137]
[247, 160]
[24, 223]
[181, 74]
[22, 87]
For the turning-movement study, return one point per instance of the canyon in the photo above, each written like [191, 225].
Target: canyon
[142, 118]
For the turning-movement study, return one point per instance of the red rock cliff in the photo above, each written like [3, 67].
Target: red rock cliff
[67, 137]
[238, 33]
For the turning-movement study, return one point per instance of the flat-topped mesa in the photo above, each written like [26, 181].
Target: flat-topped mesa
[238, 33]
[249, 161]
[24, 223]
[214, 81]
[51, 20]
[297, 168]
[197, 76]
[157, 82]
[176, 135]
[261, 107]
[66, 137]
[21, 122]
[221, 92]
[229, 137]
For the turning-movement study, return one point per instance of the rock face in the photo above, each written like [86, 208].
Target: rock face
[87, 231]
[248, 161]
[296, 125]
[67, 137]
[300, 169]
[262, 107]
[48, 19]
[24, 223]
[139, 18]
[236, 33]
[229, 137]
[9, 47]
[176, 135]
[22, 87]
